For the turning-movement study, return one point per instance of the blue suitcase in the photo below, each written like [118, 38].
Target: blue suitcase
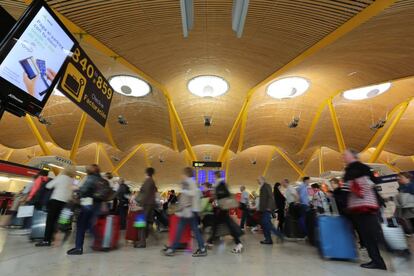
[336, 239]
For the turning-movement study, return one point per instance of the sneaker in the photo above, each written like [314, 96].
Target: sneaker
[238, 249]
[43, 243]
[254, 229]
[169, 252]
[200, 253]
[266, 242]
[75, 251]
[372, 265]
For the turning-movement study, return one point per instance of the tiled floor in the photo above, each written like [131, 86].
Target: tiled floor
[18, 257]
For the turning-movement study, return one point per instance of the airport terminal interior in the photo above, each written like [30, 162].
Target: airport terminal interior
[175, 136]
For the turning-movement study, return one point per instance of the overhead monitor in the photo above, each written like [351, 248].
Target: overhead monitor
[32, 56]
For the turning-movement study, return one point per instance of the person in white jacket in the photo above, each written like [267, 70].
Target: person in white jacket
[188, 209]
[62, 187]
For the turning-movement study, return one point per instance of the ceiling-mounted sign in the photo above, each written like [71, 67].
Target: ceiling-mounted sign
[206, 164]
[85, 85]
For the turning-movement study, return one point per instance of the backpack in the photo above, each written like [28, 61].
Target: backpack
[103, 190]
[42, 196]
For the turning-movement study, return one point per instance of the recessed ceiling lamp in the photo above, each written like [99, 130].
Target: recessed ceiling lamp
[366, 92]
[287, 88]
[208, 86]
[130, 86]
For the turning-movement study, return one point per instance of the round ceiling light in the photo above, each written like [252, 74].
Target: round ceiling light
[208, 86]
[130, 86]
[287, 88]
[366, 92]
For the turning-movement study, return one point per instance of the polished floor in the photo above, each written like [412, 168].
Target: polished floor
[19, 257]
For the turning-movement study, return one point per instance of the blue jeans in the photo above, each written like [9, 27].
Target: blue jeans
[182, 223]
[268, 227]
[85, 221]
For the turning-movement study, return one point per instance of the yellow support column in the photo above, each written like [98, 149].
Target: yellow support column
[290, 162]
[8, 155]
[105, 154]
[242, 131]
[173, 130]
[126, 159]
[38, 136]
[97, 153]
[389, 132]
[337, 127]
[78, 137]
[226, 171]
[321, 168]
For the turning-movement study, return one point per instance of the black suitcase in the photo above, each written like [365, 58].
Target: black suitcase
[38, 225]
[311, 226]
[292, 228]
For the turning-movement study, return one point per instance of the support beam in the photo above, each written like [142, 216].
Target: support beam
[242, 131]
[233, 131]
[290, 162]
[8, 155]
[269, 160]
[110, 137]
[37, 135]
[105, 154]
[321, 168]
[126, 159]
[173, 130]
[388, 134]
[180, 126]
[337, 127]
[97, 153]
[363, 16]
[227, 169]
[78, 137]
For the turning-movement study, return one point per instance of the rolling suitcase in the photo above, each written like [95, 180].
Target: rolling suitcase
[134, 233]
[185, 241]
[292, 228]
[336, 239]
[38, 225]
[107, 230]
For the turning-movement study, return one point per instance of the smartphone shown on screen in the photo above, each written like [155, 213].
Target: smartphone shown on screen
[30, 67]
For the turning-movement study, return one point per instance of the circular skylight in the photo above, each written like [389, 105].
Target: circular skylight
[287, 88]
[208, 86]
[366, 92]
[130, 86]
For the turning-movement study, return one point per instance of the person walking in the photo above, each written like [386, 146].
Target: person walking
[62, 187]
[405, 201]
[123, 194]
[363, 206]
[266, 207]
[244, 206]
[146, 199]
[280, 201]
[90, 207]
[304, 201]
[319, 199]
[188, 213]
[221, 191]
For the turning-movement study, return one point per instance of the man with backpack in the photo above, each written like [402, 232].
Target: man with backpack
[93, 192]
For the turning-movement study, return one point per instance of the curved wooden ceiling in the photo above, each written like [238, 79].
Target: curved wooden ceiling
[148, 34]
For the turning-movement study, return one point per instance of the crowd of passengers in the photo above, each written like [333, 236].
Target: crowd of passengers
[211, 207]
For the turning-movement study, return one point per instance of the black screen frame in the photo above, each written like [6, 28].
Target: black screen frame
[27, 102]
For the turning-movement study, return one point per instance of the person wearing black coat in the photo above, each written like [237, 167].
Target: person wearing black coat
[280, 201]
[123, 195]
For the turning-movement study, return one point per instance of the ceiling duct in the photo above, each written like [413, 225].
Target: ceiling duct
[187, 16]
[240, 8]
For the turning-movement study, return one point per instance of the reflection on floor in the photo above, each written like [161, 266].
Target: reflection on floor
[20, 257]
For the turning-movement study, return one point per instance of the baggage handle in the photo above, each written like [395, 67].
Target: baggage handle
[335, 211]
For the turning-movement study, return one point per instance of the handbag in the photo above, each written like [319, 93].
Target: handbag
[228, 203]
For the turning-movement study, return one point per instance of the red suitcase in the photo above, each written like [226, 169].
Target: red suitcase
[185, 241]
[132, 232]
[107, 230]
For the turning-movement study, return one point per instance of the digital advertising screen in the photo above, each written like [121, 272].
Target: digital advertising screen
[33, 55]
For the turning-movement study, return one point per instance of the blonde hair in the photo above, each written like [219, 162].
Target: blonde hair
[69, 171]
